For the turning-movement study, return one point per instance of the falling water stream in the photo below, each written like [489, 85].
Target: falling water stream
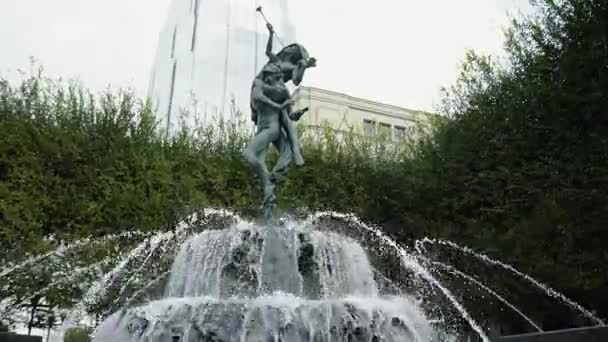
[545, 288]
[291, 281]
[270, 283]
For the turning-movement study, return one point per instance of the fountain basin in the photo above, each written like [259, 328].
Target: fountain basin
[594, 334]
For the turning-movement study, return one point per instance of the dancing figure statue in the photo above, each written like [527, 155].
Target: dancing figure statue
[272, 112]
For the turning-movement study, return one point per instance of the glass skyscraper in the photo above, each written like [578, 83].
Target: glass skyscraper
[208, 54]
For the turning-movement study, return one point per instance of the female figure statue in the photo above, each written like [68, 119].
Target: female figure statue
[292, 61]
[272, 101]
[271, 110]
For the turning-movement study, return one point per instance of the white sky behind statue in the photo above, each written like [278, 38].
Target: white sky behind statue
[403, 50]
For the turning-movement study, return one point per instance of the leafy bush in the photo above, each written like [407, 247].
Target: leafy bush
[77, 335]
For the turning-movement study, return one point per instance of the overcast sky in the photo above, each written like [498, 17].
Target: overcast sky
[395, 51]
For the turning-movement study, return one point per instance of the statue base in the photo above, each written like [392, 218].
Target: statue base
[266, 212]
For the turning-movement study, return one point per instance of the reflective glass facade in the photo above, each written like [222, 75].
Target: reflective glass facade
[208, 53]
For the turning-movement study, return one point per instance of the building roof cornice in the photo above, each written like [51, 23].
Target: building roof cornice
[318, 93]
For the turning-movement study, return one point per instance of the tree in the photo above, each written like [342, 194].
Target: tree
[521, 163]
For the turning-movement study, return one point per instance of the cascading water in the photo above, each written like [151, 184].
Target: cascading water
[328, 278]
[276, 283]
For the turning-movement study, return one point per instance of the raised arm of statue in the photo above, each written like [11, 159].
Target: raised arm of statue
[269, 53]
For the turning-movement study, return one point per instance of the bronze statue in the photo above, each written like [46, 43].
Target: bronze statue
[272, 112]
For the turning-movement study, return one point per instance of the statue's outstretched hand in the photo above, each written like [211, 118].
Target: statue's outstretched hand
[270, 28]
[295, 116]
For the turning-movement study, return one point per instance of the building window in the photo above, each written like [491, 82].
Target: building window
[400, 132]
[385, 128]
[369, 128]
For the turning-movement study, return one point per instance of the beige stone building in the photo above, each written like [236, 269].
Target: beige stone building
[345, 113]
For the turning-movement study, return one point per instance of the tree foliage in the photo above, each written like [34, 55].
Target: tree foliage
[77, 335]
[521, 167]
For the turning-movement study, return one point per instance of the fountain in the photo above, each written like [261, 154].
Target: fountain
[324, 277]
[298, 280]
[327, 277]
[273, 281]
[270, 283]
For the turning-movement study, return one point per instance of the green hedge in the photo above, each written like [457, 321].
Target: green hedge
[77, 335]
